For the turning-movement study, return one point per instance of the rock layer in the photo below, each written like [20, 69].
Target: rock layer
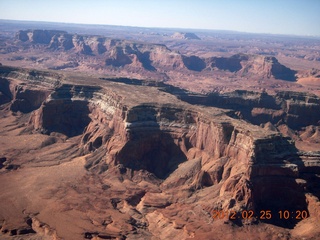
[153, 57]
[187, 36]
[155, 154]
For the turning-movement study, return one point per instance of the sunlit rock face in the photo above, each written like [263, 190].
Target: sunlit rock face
[151, 157]
[102, 52]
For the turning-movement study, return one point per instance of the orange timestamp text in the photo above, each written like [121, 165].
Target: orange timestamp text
[260, 215]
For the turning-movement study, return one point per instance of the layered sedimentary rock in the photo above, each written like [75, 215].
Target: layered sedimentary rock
[246, 64]
[187, 36]
[153, 134]
[169, 154]
[23, 98]
[139, 57]
[38, 36]
[296, 110]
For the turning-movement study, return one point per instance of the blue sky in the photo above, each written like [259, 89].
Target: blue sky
[299, 17]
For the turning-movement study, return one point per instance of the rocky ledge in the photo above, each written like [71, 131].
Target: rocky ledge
[138, 56]
[168, 156]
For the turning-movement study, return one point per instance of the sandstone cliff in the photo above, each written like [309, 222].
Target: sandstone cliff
[247, 65]
[295, 109]
[137, 57]
[158, 158]
[187, 36]
[38, 36]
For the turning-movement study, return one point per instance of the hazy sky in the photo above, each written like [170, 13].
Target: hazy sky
[300, 17]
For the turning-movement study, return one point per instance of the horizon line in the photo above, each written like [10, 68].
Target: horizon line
[169, 28]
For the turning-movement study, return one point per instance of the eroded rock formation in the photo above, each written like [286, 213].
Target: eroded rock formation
[245, 64]
[152, 57]
[38, 36]
[158, 159]
[187, 36]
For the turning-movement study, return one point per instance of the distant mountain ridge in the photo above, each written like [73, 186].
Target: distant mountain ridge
[187, 36]
[154, 57]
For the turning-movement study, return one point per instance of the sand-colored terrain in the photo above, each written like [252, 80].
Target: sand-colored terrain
[136, 135]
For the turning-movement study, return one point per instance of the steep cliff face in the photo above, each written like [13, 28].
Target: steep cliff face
[160, 137]
[276, 175]
[250, 166]
[154, 157]
[302, 108]
[245, 161]
[63, 111]
[64, 42]
[37, 36]
[232, 64]
[5, 93]
[248, 65]
[80, 45]
[295, 109]
[194, 63]
[23, 98]
[137, 57]
[186, 36]
[118, 58]
[27, 100]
